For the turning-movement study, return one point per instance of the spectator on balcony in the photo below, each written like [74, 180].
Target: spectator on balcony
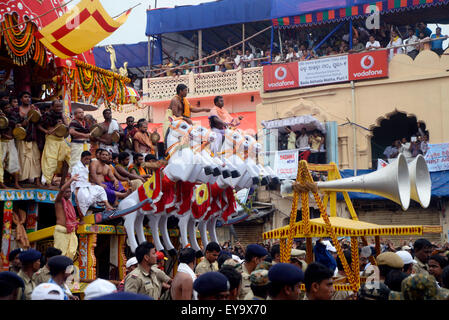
[412, 42]
[424, 146]
[393, 150]
[258, 56]
[302, 143]
[422, 27]
[248, 58]
[291, 138]
[315, 144]
[322, 153]
[238, 60]
[356, 46]
[291, 55]
[415, 146]
[405, 148]
[437, 45]
[394, 42]
[372, 44]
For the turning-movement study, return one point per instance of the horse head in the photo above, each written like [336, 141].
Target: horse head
[234, 140]
[178, 127]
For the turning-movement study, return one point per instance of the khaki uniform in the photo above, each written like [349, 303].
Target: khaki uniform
[42, 275]
[140, 282]
[246, 283]
[420, 267]
[160, 275]
[29, 286]
[205, 266]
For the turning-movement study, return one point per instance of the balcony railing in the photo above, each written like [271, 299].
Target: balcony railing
[204, 84]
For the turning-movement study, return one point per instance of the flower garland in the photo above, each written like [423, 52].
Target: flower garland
[87, 81]
[22, 45]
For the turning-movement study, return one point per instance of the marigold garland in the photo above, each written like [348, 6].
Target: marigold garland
[94, 83]
[22, 45]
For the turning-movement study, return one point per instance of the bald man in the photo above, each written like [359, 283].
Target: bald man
[79, 131]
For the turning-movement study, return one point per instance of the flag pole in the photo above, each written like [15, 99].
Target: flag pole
[127, 10]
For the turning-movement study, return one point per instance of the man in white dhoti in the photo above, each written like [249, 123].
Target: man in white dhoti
[111, 127]
[86, 193]
[9, 157]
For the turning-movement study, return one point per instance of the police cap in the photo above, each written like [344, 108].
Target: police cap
[211, 283]
[285, 273]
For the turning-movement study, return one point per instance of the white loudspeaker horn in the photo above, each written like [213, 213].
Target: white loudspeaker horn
[391, 182]
[420, 182]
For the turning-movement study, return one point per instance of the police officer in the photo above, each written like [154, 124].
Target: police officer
[43, 274]
[212, 286]
[259, 285]
[388, 261]
[14, 261]
[209, 263]
[297, 258]
[285, 280]
[143, 280]
[61, 268]
[10, 283]
[254, 255]
[30, 260]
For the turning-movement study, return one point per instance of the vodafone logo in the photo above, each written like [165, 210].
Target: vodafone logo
[367, 62]
[280, 73]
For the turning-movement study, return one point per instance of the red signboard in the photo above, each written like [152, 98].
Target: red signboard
[281, 76]
[368, 65]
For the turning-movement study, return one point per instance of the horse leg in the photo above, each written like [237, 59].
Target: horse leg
[165, 236]
[192, 234]
[138, 226]
[129, 227]
[182, 223]
[202, 227]
[154, 226]
[211, 228]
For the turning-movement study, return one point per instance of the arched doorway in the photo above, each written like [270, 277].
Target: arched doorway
[396, 126]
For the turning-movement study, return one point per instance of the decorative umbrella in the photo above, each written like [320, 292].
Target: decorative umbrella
[132, 95]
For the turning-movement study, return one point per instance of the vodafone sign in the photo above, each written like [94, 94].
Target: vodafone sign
[280, 76]
[368, 65]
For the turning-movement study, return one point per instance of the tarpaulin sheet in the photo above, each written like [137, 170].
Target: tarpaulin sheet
[206, 15]
[135, 54]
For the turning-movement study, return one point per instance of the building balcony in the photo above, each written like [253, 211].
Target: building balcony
[204, 84]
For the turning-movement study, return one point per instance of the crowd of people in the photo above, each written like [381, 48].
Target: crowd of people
[311, 145]
[416, 270]
[418, 144]
[299, 45]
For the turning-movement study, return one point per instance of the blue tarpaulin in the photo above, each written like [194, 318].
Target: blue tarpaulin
[206, 15]
[440, 185]
[284, 8]
[135, 54]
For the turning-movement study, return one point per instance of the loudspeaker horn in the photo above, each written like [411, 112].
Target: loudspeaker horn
[420, 182]
[391, 182]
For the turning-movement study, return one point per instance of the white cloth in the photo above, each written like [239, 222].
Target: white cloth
[372, 46]
[249, 58]
[88, 194]
[405, 150]
[411, 40]
[8, 151]
[217, 144]
[237, 60]
[302, 143]
[98, 288]
[395, 51]
[291, 56]
[183, 267]
[113, 126]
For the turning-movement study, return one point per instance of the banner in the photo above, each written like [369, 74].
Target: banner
[323, 71]
[437, 157]
[286, 164]
[358, 66]
[280, 76]
[381, 164]
[368, 65]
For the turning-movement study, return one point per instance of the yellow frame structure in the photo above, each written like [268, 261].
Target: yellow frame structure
[333, 226]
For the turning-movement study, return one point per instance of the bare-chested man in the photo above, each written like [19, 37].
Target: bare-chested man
[182, 284]
[100, 173]
[66, 221]
[109, 126]
[180, 106]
